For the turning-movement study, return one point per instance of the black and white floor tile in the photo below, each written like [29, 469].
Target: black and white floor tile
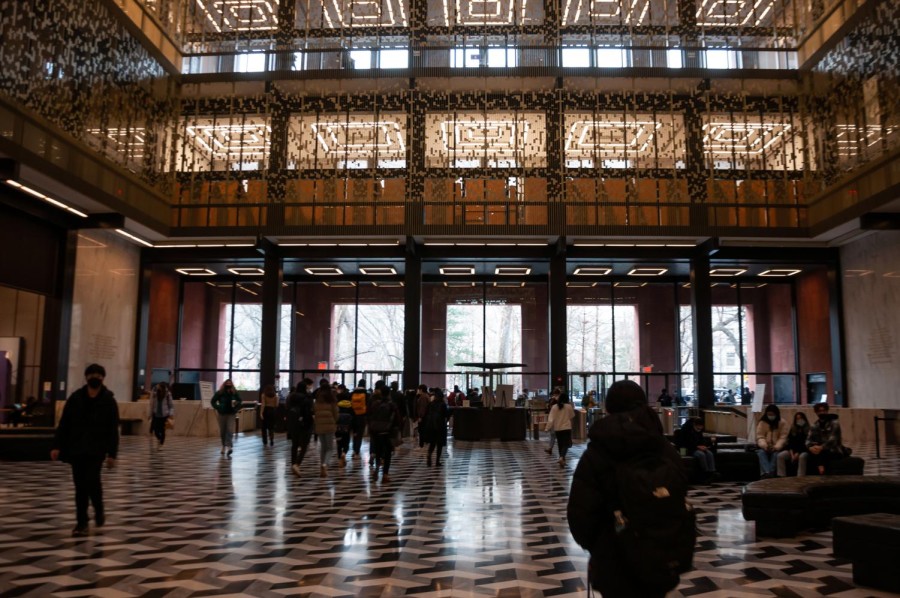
[185, 521]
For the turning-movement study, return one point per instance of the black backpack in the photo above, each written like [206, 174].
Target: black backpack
[655, 526]
[382, 417]
[300, 409]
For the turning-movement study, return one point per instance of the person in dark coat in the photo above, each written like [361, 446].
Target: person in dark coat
[88, 435]
[699, 446]
[435, 426]
[299, 406]
[630, 428]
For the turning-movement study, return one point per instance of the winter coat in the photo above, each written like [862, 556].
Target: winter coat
[769, 439]
[690, 439]
[826, 432]
[434, 426]
[560, 418]
[89, 427]
[797, 442]
[613, 439]
[226, 403]
[326, 410]
[299, 411]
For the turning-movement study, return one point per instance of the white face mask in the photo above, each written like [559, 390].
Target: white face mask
[771, 418]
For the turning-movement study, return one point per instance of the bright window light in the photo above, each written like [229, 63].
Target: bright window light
[576, 57]
[722, 59]
[299, 61]
[393, 59]
[612, 57]
[674, 59]
[502, 57]
[254, 62]
[362, 59]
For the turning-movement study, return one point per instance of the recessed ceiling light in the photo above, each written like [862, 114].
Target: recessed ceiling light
[588, 244]
[592, 271]
[581, 285]
[630, 285]
[459, 284]
[387, 284]
[727, 271]
[323, 271]
[782, 272]
[686, 285]
[46, 198]
[246, 270]
[134, 238]
[457, 270]
[195, 271]
[647, 271]
[509, 285]
[338, 284]
[376, 270]
[512, 270]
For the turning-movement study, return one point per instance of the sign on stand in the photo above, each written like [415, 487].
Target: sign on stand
[756, 407]
[206, 394]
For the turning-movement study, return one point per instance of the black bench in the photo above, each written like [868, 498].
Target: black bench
[872, 544]
[782, 507]
[26, 444]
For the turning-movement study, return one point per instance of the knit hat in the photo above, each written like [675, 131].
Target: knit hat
[624, 395]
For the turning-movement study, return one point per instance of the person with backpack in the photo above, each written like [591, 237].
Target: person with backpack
[325, 416]
[423, 399]
[359, 399]
[299, 406]
[628, 502]
[384, 423]
[434, 426]
[345, 421]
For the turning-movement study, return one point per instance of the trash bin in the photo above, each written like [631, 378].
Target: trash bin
[579, 425]
[667, 419]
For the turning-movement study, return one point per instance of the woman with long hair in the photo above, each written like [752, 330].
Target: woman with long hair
[560, 421]
[226, 402]
[161, 409]
[326, 416]
[771, 436]
[796, 446]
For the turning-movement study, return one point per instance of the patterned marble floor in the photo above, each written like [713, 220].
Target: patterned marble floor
[185, 521]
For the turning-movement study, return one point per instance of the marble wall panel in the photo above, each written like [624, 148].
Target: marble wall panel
[104, 310]
[871, 292]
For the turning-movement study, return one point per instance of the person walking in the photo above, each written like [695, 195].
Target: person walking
[560, 421]
[161, 410]
[384, 423]
[227, 403]
[434, 426]
[267, 409]
[86, 437]
[326, 416]
[299, 405]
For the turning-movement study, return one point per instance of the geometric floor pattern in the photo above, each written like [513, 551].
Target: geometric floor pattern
[186, 522]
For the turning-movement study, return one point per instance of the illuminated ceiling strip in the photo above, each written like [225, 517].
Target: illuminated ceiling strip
[592, 271]
[323, 271]
[456, 270]
[512, 271]
[647, 271]
[727, 271]
[40, 195]
[195, 271]
[780, 272]
[125, 233]
[246, 271]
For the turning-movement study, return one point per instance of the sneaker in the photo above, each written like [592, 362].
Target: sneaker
[80, 531]
[230, 450]
[296, 469]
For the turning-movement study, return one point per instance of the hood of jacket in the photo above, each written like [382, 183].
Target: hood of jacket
[628, 433]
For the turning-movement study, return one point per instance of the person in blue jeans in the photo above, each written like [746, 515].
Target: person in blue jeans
[698, 445]
[771, 437]
[227, 403]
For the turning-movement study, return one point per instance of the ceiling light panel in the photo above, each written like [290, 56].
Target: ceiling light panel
[195, 271]
[735, 13]
[360, 14]
[387, 285]
[630, 285]
[459, 284]
[377, 270]
[246, 270]
[323, 270]
[222, 16]
[340, 284]
[509, 285]
[637, 140]
[780, 272]
[446, 13]
[491, 140]
[592, 270]
[512, 270]
[457, 270]
[329, 141]
[612, 12]
[241, 143]
[727, 271]
[647, 271]
[757, 142]
[581, 285]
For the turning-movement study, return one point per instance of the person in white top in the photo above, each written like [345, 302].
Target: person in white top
[560, 422]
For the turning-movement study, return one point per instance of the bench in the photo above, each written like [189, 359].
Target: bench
[782, 507]
[872, 544]
[26, 444]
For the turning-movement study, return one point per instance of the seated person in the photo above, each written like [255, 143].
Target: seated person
[695, 443]
[796, 446]
[771, 437]
[824, 442]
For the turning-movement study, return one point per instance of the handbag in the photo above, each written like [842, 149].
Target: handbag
[170, 423]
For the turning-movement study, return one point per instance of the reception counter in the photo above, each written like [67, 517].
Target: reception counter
[472, 423]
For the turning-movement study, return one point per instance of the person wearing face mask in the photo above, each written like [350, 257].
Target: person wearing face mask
[227, 403]
[771, 437]
[824, 443]
[88, 435]
[796, 446]
[267, 407]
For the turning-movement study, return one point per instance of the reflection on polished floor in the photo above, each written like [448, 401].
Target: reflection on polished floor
[185, 521]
